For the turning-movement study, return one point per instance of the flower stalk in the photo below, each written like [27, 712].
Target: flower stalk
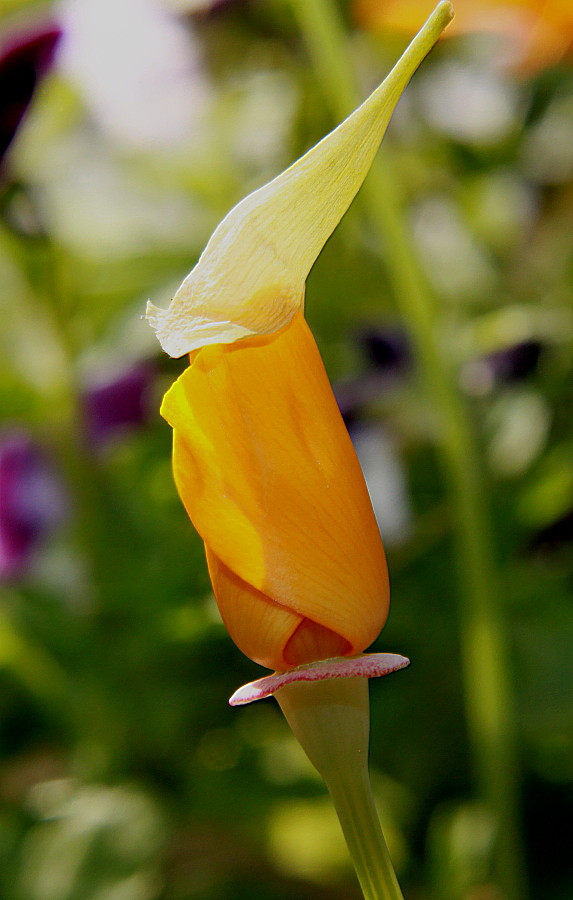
[331, 720]
[488, 696]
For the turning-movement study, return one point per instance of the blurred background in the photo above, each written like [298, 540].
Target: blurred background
[128, 128]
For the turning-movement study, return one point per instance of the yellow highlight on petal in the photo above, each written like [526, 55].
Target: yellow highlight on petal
[250, 278]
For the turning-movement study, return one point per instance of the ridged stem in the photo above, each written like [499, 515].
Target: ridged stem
[331, 720]
[489, 701]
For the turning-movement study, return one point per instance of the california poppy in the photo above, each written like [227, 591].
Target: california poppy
[262, 459]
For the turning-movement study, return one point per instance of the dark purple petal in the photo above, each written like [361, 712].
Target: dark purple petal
[553, 537]
[31, 501]
[387, 356]
[386, 349]
[514, 363]
[210, 8]
[118, 406]
[22, 63]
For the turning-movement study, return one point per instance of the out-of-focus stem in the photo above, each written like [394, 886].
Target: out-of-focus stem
[331, 720]
[489, 701]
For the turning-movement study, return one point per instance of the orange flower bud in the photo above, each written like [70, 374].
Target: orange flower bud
[269, 477]
[261, 458]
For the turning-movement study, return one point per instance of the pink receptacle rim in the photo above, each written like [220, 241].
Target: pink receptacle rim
[370, 665]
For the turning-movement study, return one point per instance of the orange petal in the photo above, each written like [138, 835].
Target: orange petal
[269, 477]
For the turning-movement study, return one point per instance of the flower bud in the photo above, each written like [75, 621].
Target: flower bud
[262, 459]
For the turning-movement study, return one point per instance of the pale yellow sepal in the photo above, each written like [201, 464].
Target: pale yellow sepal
[250, 278]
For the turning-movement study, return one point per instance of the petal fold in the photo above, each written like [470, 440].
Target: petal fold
[260, 627]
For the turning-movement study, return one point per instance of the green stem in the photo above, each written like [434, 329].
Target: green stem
[331, 720]
[489, 700]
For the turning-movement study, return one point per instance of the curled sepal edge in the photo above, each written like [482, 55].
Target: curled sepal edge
[368, 665]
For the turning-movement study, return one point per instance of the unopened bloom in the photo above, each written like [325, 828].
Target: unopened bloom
[262, 459]
[269, 477]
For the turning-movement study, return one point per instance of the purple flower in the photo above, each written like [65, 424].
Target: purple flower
[387, 356]
[31, 501]
[22, 63]
[118, 406]
[386, 349]
[515, 363]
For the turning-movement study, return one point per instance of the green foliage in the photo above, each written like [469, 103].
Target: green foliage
[123, 773]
